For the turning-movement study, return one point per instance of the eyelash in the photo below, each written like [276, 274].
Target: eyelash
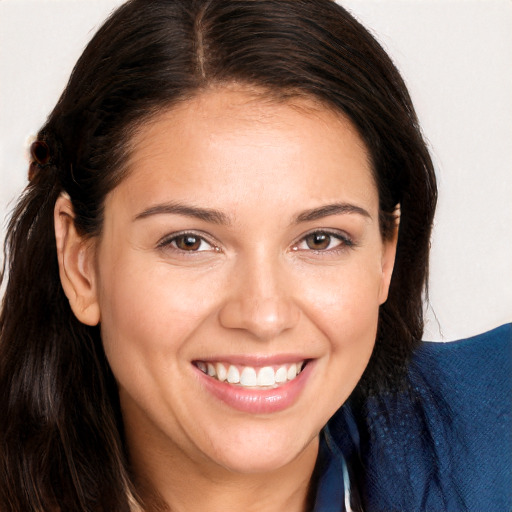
[171, 242]
[345, 242]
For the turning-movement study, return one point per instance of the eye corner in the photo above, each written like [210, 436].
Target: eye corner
[188, 243]
[331, 242]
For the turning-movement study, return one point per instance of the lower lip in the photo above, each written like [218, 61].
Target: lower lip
[258, 401]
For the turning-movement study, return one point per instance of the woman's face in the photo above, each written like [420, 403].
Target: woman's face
[243, 245]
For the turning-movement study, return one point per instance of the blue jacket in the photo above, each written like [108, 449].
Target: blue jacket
[443, 445]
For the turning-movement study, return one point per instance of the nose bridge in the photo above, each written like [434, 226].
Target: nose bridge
[260, 299]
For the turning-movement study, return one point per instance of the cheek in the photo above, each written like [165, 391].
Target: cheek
[348, 317]
[147, 315]
[345, 303]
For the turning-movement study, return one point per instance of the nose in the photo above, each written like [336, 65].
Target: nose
[260, 303]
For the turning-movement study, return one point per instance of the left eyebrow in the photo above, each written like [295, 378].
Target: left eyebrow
[330, 209]
[205, 214]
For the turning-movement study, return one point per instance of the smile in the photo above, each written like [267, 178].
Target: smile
[255, 389]
[266, 377]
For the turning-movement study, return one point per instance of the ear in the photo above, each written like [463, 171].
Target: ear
[76, 263]
[388, 257]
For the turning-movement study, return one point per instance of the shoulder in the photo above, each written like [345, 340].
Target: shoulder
[467, 386]
[445, 443]
[473, 376]
[487, 351]
[473, 380]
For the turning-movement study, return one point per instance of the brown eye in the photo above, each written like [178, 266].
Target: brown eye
[324, 242]
[318, 241]
[188, 242]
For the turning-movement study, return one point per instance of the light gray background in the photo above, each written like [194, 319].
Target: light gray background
[456, 57]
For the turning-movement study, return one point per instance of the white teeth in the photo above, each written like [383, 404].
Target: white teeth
[233, 375]
[266, 376]
[248, 377]
[281, 374]
[292, 371]
[221, 372]
[211, 370]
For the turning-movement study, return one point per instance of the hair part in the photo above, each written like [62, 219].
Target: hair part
[61, 430]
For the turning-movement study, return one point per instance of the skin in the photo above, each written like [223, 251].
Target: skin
[253, 286]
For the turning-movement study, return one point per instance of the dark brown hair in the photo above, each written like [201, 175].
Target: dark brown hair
[60, 429]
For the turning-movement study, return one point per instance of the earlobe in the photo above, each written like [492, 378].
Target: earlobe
[75, 255]
[388, 257]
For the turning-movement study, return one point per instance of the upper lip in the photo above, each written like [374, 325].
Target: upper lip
[256, 360]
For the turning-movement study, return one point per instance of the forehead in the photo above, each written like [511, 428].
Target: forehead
[233, 108]
[249, 144]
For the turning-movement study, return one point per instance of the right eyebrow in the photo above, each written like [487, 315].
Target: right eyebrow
[205, 214]
[331, 209]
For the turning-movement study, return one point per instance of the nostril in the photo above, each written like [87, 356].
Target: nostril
[264, 318]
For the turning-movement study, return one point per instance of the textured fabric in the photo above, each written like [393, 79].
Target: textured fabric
[330, 492]
[445, 444]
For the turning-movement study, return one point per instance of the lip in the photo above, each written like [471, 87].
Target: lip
[257, 361]
[257, 401]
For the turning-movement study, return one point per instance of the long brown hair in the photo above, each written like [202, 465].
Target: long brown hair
[61, 432]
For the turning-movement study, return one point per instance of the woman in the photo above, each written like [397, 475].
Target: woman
[225, 239]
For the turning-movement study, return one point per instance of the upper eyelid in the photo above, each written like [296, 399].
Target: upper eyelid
[338, 233]
[167, 239]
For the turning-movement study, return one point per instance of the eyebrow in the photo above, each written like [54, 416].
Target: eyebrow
[331, 209]
[205, 214]
[218, 217]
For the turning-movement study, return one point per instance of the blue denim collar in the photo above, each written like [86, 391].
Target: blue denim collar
[330, 493]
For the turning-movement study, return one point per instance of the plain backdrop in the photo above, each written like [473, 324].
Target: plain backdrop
[456, 57]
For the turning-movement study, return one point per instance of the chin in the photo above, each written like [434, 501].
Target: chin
[263, 452]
